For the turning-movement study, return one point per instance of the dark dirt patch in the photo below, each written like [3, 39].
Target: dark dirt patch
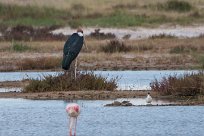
[101, 36]
[29, 33]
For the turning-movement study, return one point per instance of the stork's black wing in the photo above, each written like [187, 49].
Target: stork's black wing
[72, 47]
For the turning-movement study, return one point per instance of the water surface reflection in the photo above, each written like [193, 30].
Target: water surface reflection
[33, 118]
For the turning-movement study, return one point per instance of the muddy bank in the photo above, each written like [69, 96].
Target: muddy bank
[75, 95]
[102, 95]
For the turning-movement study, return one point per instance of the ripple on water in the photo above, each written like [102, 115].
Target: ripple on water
[30, 117]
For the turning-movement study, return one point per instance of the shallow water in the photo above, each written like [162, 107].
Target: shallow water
[20, 117]
[139, 80]
[127, 80]
[17, 76]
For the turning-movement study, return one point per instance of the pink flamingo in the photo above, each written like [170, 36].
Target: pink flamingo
[73, 111]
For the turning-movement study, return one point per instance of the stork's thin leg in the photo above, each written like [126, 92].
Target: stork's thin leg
[66, 72]
[75, 69]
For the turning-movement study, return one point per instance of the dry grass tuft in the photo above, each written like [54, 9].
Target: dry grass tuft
[183, 49]
[115, 46]
[39, 63]
[176, 5]
[161, 36]
[101, 36]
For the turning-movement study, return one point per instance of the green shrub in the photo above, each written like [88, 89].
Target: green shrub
[123, 19]
[20, 47]
[180, 6]
[183, 49]
[115, 46]
[66, 82]
[187, 85]
[200, 59]
[177, 49]
[31, 15]
[175, 5]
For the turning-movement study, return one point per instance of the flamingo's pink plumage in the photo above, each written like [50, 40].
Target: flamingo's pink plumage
[73, 111]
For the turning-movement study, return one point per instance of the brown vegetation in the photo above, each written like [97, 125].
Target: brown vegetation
[40, 63]
[186, 85]
[115, 46]
[67, 82]
[157, 53]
